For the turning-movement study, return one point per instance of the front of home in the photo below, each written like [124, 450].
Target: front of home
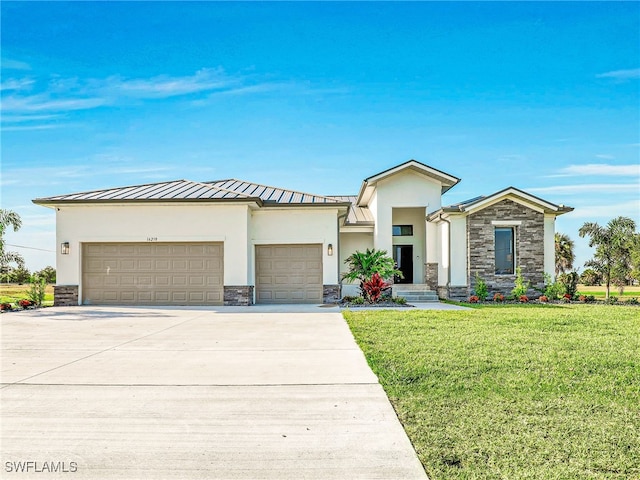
[231, 242]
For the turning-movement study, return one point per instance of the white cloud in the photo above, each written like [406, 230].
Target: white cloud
[587, 188]
[43, 103]
[11, 64]
[626, 209]
[621, 74]
[605, 156]
[599, 169]
[42, 126]
[164, 86]
[94, 168]
[29, 118]
[17, 84]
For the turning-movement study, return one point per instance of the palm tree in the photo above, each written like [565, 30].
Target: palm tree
[564, 253]
[613, 249]
[362, 266]
[9, 218]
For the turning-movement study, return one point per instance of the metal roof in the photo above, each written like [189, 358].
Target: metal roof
[271, 194]
[357, 215]
[187, 190]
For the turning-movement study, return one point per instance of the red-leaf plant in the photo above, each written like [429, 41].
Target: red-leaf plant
[373, 288]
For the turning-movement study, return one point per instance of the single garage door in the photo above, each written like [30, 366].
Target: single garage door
[289, 273]
[152, 273]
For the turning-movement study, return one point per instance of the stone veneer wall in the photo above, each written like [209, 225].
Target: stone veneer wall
[529, 246]
[459, 293]
[241, 295]
[65, 295]
[431, 275]
[331, 294]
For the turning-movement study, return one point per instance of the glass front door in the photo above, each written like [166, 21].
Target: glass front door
[403, 256]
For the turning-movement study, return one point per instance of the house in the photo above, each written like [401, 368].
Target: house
[231, 242]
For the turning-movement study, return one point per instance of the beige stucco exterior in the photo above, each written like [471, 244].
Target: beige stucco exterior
[283, 225]
[238, 226]
[223, 211]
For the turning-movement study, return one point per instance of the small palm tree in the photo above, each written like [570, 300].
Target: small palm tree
[362, 266]
[564, 253]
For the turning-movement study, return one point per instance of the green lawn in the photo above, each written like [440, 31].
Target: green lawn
[510, 392]
[11, 293]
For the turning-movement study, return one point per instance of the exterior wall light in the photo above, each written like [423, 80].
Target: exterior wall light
[64, 248]
[330, 250]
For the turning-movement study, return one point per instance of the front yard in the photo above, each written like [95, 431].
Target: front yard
[510, 392]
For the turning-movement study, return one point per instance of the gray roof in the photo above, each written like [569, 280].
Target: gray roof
[270, 194]
[186, 190]
[357, 215]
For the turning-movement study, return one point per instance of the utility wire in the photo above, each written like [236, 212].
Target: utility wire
[30, 248]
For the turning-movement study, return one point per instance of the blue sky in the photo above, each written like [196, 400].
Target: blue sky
[542, 96]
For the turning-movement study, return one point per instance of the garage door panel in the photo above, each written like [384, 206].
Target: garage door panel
[153, 274]
[289, 273]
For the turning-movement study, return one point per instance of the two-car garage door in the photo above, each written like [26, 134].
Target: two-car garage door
[152, 273]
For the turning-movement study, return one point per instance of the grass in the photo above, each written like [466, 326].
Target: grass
[11, 293]
[511, 392]
[598, 291]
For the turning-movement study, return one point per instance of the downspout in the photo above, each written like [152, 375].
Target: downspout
[338, 251]
[448, 254]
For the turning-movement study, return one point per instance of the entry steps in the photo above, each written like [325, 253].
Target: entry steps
[414, 292]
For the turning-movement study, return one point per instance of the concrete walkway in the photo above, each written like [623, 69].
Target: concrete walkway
[160, 393]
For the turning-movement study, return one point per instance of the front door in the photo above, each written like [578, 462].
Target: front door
[403, 256]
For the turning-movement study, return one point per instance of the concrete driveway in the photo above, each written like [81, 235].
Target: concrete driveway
[158, 393]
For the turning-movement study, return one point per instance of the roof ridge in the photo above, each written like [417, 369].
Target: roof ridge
[222, 189]
[275, 188]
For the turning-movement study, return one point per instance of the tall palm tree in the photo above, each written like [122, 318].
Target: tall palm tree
[564, 253]
[9, 218]
[613, 249]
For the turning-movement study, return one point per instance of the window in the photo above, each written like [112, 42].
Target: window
[504, 251]
[402, 230]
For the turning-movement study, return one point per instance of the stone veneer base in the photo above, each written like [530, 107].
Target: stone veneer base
[65, 295]
[239, 295]
[331, 294]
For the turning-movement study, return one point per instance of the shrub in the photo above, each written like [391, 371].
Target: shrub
[523, 299]
[612, 299]
[374, 287]
[482, 291]
[348, 299]
[24, 303]
[474, 299]
[543, 298]
[498, 297]
[357, 301]
[570, 283]
[399, 300]
[520, 285]
[633, 301]
[552, 289]
[582, 298]
[37, 290]
[5, 306]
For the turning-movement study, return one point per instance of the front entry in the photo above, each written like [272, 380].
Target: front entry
[403, 256]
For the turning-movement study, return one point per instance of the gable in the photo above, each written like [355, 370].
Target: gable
[443, 180]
